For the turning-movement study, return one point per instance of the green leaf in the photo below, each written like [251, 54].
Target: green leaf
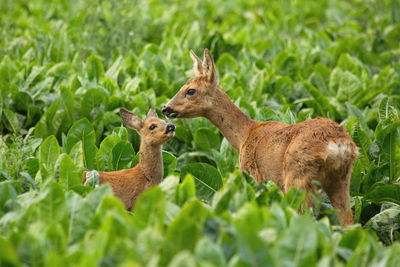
[13, 123]
[82, 130]
[385, 223]
[150, 209]
[186, 228]
[122, 154]
[92, 99]
[104, 154]
[68, 102]
[49, 151]
[23, 100]
[206, 139]
[384, 109]
[208, 179]
[186, 190]
[294, 198]
[114, 70]
[321, 102]
[70, 175]
[94, 68]
[7, 193]
[8, 253]
[387, 192]
[207, 252]
[169, 161]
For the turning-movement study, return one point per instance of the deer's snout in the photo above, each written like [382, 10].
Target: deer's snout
[170, 128]
[169, 112]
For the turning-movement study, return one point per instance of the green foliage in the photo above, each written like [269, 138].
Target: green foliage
[66, 67]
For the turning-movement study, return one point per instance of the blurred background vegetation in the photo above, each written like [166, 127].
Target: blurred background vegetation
[66, 67]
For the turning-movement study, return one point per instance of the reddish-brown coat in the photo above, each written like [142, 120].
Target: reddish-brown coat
[126, 184]
[289, 154]
[129, 184]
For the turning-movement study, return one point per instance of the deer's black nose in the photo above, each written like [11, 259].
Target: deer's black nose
[170, 128]
[166, 110]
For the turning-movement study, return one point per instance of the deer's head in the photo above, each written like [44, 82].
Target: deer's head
[199, 94]
[152, 130]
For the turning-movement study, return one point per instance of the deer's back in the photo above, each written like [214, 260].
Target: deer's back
[271, 145]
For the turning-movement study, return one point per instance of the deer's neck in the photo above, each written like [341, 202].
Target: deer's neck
[151, 162]
[231, 121]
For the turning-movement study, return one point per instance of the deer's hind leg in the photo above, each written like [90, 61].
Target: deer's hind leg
[301, 167]
[338, 192]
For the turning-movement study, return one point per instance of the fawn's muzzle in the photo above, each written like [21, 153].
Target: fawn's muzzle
[169, 112]
[170, 128]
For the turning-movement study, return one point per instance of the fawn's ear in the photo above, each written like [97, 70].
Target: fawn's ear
[152, 114]
[197, 64]
[209, 67]
[130, 119]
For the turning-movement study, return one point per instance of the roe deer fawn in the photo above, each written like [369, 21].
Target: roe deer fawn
[130, 183]
[289, 154]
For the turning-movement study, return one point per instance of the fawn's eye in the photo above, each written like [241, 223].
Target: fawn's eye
[191, 91]
[152, 127]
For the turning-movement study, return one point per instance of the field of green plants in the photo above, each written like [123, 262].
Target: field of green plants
[67, 66]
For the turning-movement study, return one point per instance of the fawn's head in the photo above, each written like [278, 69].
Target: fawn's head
[199, 94]
[152, 130]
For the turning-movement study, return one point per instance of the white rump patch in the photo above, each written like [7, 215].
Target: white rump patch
[337, 150]
[337, 153]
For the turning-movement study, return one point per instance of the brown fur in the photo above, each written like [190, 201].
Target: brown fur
[130, 183]
[289, 154]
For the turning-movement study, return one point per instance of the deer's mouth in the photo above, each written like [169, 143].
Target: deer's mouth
[170, 129]
[170, 113]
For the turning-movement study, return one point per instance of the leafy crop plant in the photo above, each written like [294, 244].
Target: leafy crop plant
[68, 66]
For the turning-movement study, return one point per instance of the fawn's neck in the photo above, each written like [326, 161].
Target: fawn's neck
[230, 120]
[151, 162]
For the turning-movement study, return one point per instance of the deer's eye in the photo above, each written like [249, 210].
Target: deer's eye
[191, 91]
[152, 127]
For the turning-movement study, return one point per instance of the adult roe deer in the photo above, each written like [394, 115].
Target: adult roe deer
[289, 154]
[128, 184]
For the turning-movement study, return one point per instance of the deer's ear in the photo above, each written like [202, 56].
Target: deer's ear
[152, 114]
[209, 67]
[130, 119]
[197, 64]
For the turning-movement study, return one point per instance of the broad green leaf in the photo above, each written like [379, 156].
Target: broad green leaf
[70, 175]
[208, 179]
[321, 102]
[149, 209]
[387, 192]
[8, 253]
[122, 154]
[13, 123]
[294, 198]
[94, 67]
[186, 190]
[23, 100]
[91, 101]
[169, 161]
[104, 154]
[206, 139]
[7, 193]
[385, 223]
[185, 230]
[68, 102]
[207, 252]
[82, 130]
[49, 151]
[114, 70]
